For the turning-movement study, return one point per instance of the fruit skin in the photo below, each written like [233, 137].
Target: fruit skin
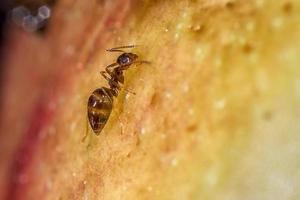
[214, 116]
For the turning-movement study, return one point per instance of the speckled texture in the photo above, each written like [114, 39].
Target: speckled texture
[215, 115]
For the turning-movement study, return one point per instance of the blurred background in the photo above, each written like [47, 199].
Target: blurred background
[29, 15]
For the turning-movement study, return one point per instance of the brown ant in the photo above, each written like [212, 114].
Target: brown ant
[100, 103]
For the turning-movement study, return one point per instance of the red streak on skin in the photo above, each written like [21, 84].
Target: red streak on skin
[24, 155]
[43, 114]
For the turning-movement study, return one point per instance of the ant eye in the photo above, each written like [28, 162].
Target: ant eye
[124, 59]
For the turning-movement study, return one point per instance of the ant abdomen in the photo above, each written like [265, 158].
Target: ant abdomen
[99, 108]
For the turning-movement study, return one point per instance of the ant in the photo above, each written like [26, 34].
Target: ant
[100, 103]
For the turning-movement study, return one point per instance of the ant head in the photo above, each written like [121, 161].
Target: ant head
[126, 59]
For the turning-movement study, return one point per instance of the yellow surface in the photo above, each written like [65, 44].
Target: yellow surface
[216, 115]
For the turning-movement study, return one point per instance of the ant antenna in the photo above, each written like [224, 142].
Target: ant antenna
[118, 49]
[139, 62]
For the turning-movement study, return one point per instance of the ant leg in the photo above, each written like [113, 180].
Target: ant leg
[121, 124]
[110, 66]
[118, 49]
[103, 73]
[139, 62]
[109, 71]
[115, 83]
[120, 86]
[109, 79]
[129, 91]
[86, 131]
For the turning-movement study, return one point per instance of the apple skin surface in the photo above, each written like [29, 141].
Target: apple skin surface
[215, 114]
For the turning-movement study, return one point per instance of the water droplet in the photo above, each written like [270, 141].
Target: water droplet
[220, 104]
[277, 22]
[19, 13]
[191, 111]
[44, 12]
[163, 136]
[30, 23]
[149, 188]
[168, 95]
[143, 131]
[185, 87]
[174, 162]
